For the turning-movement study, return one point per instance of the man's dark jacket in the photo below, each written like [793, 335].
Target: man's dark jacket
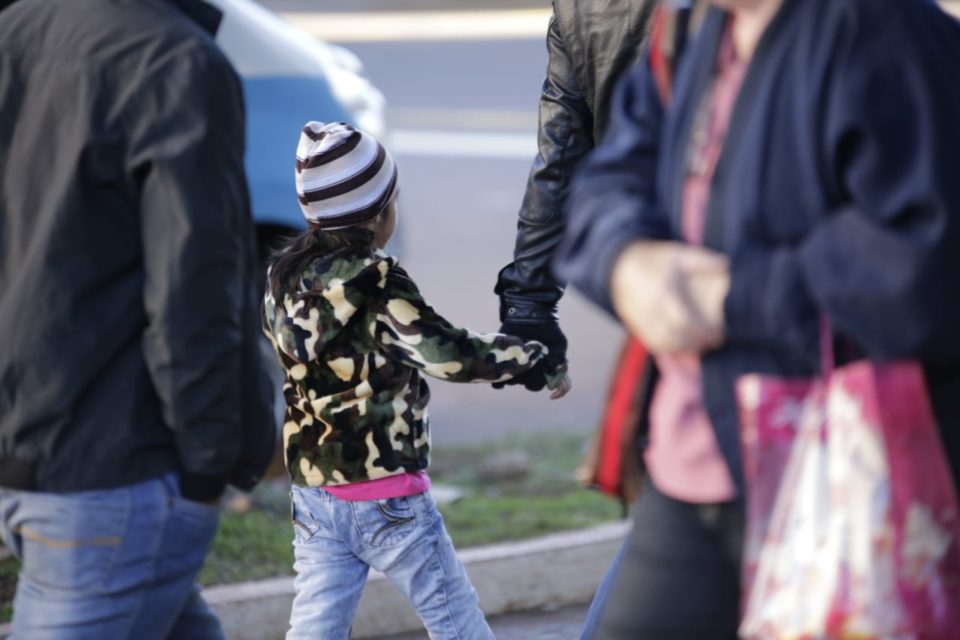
[836, 193]
[128, 302]
[589, 45]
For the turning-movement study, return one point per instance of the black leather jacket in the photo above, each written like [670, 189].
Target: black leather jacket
[589, 44]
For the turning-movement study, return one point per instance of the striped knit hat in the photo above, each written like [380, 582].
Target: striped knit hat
[344, 176]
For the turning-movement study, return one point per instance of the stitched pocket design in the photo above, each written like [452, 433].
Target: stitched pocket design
[385, 523]
[74, 544]
[305, 525]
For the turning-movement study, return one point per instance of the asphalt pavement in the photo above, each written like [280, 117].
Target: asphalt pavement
[459, 215]
[462, 115]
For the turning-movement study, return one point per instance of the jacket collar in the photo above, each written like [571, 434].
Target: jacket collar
[207, 16]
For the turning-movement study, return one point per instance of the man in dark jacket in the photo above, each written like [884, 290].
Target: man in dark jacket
[130, 386]
[589, 45]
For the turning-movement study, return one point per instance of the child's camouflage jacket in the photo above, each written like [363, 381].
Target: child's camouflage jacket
[354, 339]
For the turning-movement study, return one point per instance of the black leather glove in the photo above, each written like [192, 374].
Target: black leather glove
[547, 332]
[202, 488]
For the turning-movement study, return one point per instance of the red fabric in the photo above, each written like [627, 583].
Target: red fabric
[658, 62]
[620, 412]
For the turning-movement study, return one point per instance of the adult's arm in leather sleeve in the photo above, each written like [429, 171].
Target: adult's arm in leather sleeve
[528, 289]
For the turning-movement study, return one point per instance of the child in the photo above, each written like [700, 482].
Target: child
[354, 337]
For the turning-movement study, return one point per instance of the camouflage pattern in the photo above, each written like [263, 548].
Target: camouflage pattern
[355, 337]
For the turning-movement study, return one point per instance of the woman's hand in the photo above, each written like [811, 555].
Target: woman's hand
[671, 295]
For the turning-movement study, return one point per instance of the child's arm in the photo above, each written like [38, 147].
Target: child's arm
[409, 331]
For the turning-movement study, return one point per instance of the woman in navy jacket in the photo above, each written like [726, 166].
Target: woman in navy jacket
[837, 191]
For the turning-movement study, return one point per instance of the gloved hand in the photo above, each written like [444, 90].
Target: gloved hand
[549, 334]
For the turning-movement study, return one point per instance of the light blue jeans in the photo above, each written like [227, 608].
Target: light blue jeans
[118, 563]
[337, 541]
[600, 598]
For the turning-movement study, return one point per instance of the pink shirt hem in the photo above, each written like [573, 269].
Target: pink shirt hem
[405, 484]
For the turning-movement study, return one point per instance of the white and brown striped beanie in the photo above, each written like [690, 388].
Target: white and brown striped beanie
[344, 176]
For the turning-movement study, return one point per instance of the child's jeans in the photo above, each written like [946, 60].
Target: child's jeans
[337, 541]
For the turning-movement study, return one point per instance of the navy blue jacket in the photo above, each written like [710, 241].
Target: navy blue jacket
[838, 189]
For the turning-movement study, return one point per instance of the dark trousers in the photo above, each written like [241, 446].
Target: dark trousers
[679, 573]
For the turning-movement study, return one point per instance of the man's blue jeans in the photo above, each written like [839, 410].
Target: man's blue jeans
[337, 541]
[119, 563]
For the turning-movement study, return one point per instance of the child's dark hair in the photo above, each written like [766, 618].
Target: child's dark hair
[288, 262]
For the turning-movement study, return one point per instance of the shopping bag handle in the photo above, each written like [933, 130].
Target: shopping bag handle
[827, 360]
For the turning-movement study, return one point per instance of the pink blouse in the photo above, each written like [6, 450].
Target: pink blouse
[683, 458]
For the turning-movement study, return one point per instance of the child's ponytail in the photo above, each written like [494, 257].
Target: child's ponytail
[288, 263]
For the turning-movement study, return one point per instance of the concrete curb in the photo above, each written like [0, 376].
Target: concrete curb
[549, 572]
[553, 571]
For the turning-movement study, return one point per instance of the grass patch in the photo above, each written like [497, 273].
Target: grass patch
[9, 567]
[484, 520]
[248, 547]
[547, 499]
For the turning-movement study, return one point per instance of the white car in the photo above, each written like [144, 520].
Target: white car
[289, 78]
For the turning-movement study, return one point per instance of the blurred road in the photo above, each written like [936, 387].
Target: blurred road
[462, 93]
[463, 117]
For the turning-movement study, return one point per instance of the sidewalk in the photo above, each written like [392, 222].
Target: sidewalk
[561, 624]
[351, 6]
[355, 6]
[434, 25]
[551, 579]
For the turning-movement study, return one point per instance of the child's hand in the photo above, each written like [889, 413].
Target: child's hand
[559, 382]
[562, 388]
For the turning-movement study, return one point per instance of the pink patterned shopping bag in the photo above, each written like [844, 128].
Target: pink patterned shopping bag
[853, 528]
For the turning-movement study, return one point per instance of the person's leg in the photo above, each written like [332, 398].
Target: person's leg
[173, 607]
[196, 621]
[406, 540]
[82, 565]
[116, 563]
[330, 577]
[600, 597]
[679, 573]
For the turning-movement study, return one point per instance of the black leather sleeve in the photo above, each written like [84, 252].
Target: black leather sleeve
[527, 288]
